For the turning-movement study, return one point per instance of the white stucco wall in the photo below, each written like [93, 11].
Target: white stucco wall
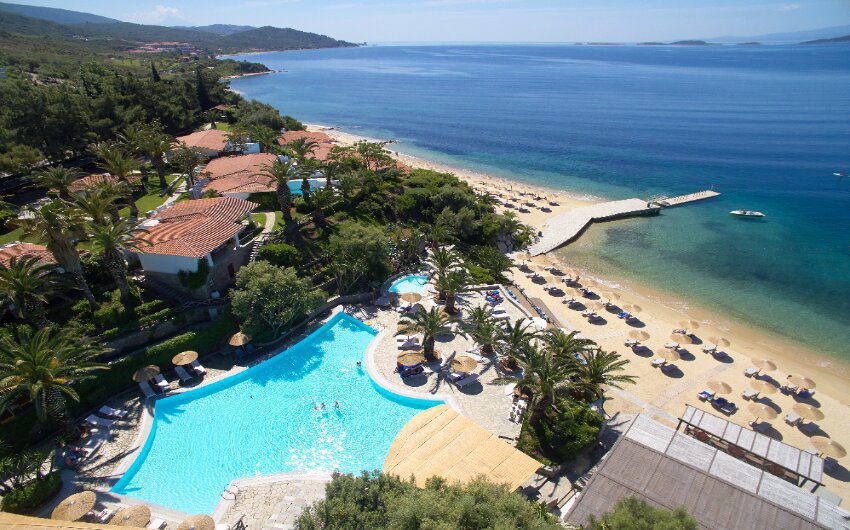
[166, 263]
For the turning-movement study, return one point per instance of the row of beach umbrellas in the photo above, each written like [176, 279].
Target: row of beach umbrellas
[76, 506]
[183, 358]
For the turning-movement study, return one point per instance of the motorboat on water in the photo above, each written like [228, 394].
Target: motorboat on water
[746, 213]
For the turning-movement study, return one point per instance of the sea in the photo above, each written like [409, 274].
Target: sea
[766, 126]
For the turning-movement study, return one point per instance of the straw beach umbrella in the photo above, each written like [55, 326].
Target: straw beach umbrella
[681, 338]
[688, 324]
[808, 412]
[764, 365]
[137, 516]
[197, 522]
[632, 308]
[146, 373]
[239, 339]
[720, 342]
[404, 328]
[638, 335]
[762, 387]
[761, 410]
[670, 355]
[719, 387]
[75, 506]
[185, 357]
[801, 382]
[828, 447]
[411, 358]
[411, 298]
[464, 363]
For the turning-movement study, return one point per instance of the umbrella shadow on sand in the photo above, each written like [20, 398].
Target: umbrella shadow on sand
[643, 351]
[636, 323]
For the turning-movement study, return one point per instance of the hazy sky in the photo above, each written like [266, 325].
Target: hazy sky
[487, 20]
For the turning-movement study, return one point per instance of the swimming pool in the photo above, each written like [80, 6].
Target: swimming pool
[409, 284]
[263, 421]
[315, 183]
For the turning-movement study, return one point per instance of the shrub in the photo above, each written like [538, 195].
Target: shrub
[27, 499]
[156, 318]
[280, 254]
[479, 275]
[559, 435]
[112, 313]
[197, 279]
[631, 513]
[149, 308]
[267, 201]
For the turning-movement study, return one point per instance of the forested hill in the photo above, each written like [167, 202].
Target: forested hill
[36, 21]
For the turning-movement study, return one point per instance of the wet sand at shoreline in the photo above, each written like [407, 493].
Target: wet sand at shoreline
[661, 395]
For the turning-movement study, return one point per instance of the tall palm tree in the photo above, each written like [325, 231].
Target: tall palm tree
[112, 239]
[543, 375]
[449, 285]
[515, 341]
[119, 166]
[302, 147]
[26, 285]
[442, 259]
[279, 173]
[155, 146]
[132, 141]
[98, 203]
[600, 368]
[485, 329]
[429, 324]
[323, 199]
[42, 365]
[565, 345]
[58, 225]
[57, 178]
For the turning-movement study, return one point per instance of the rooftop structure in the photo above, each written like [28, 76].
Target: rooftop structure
[322, 150]
[18, 249]
[670, 469]
[238, 175]
[90, 181]
[211, 142]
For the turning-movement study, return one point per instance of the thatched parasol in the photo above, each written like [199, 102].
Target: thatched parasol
[828, 447]
[239, 339]
[764, 365]
[146, 373]
[761, 410]
[688, 324]
[681, 338]
[197, 522]
[632, 308]
[808, 412]
[185, 357]
[762, 386]
[523, 256]
[596, 306]
[464, 363]
[405, 328]
[639, 335]
[75, 506]
[410, 358]
[720, 342]
[137, 516]
[611, 296]
[800, 381]
[670, 355]
[719, 387]
[411, 298]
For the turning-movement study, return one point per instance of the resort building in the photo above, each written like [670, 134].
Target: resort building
[214, 142]
[236, 176]
[322, 150]
[90, 181]
[18, 249]
[197, 235]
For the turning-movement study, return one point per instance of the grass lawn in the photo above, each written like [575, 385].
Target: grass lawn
[151, 198]
[222, 126]
[15, 235]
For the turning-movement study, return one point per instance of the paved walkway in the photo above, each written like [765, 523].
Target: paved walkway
[274, 502]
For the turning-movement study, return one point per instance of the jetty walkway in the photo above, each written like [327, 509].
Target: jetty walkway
[566, 227]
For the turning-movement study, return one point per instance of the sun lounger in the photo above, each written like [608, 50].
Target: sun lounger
[631, 342]
[805, 393]
[471, 378]
[709, 348]
[751, 371]
[412, 371]
[749, 394]
[198, 367]
[671, 345]
[109, 412]
[184, 376]
[156, 524]
[147, 390]
[792, 418]
[625, 315]
[501, 315]
[104, 515]
[705, 395]
[91, 419]
[658, 361]
[161, 382]
[724, 405]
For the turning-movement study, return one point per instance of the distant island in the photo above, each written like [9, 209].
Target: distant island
[837, 40]
[679, 43]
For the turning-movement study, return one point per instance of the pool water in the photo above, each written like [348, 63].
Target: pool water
[409, 284]
[263, 421]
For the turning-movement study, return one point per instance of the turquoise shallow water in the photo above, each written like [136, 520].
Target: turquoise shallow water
[264, 420]
[409, 284]
[764, 125]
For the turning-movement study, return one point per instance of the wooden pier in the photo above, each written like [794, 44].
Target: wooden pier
[684, 199]
[566, 227]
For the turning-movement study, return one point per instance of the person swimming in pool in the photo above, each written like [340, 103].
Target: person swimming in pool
[336, 404]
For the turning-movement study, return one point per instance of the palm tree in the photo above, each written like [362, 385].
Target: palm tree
[515, 341]
[429, 324]
[42, 365]
[120, 166]
[57, 178]
[58, 225]
[302, 147]
[156, 145]
[132, 140]
[26, 284]
[442, 259]
[112, 239]
[600, 368]
[449, 285]
[186, 160]
[279, 174]
[544, 376]
[323, 199]
[99, 202]
[565, 345]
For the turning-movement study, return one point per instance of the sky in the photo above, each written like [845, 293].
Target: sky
[377, 21]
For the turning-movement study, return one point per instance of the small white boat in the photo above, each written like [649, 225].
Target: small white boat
[746, 213]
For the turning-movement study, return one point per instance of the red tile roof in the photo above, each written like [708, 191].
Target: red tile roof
[17, 249]
[90, 181]
[213, 139]
[322, 150]
[239, 174]
[193, 229]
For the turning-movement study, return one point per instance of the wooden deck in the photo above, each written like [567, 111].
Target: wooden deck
[566, 227]
[440, 442]
[684, 199]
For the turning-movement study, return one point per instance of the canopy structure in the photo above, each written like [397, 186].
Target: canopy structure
[440, 442]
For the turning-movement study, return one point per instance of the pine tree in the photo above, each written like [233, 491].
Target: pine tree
[154, 73]
[203, 93]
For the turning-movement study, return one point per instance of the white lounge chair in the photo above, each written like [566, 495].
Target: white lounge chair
[198, 367]
[146, 389]
[104, 515]
[749, 394]
[792, 418]
[184, 376]
[161, 382]
[156, 524]
[109, 412]
[751, 371]
[471, 378]
[91, 419]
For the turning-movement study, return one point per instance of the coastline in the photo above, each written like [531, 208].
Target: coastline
[747, 339]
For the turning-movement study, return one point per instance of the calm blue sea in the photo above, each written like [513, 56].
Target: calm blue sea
[764, 125]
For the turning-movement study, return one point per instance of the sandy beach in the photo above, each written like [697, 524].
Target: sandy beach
[664, 395]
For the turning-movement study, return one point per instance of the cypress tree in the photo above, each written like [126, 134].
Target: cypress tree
[203, 93]
[154, 73]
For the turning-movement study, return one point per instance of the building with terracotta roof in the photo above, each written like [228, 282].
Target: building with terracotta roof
[213, 143]
[18, 249]
[236, 176]
[90, 181]
[323, 149]
[181, 235]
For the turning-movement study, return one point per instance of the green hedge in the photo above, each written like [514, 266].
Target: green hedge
[151, 307]
[280, 254]
[156, 318]
[28, 499]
